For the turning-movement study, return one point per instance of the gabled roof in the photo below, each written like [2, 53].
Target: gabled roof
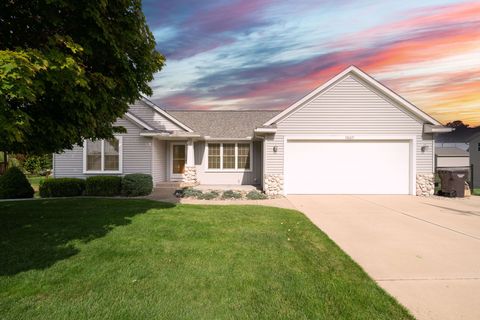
[366, 78]
[136, 120]
[165, 114]
[223, 124]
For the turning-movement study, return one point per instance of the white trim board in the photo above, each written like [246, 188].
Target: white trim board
[366, 78]
[138, 121]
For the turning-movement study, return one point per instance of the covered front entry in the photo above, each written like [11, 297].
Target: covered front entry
[348, 167]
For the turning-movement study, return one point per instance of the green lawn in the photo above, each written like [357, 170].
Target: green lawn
[140, 259]
[476, 192]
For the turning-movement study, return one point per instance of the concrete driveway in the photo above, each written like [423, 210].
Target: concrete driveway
[424, 251]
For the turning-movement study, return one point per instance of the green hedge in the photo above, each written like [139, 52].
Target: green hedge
[62, 187]
[14, 185]
[103, 186]
[137, 184]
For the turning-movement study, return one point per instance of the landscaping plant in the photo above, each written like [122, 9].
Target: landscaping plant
[62, 187]
[107, 186]
[137, 184]
[14, 185]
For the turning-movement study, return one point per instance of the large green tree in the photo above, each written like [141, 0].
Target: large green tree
[69, 69]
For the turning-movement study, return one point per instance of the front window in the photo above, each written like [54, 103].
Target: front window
[103, 155]
[244, 156]
[229, 156]
[214, 156]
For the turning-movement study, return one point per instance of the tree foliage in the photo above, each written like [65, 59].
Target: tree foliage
[457, 124]
[69, 69]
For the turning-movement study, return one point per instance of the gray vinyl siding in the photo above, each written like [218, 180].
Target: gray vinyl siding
[137, 155]
[230, 178]
[475, 161]
[152, 117]
[159, 160]
[349, 107]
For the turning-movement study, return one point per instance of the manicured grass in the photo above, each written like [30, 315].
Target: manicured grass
[476, 192]
[140, 259]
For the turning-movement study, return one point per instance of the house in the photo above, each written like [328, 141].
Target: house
[352, 135]
[474, 149]
[450, 157]
[467, 139]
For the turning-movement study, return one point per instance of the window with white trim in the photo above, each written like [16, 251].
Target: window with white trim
[229, 156]
[102, 156]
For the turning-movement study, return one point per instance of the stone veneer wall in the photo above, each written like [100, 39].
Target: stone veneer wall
[190, 174]
[273, 184]
[425, 184]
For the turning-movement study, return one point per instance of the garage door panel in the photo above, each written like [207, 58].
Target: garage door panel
[347, 167]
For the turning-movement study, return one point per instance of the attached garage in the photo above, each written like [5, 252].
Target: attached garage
[348, 166]
[351, 135]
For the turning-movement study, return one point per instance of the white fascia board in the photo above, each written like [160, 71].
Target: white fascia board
[166, 114]
[138, 121]
[369, 80]
[428, 128]
[265, 130]
[227, 139]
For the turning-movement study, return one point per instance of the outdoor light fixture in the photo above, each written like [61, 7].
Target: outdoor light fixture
[424, 148]
[275, 148]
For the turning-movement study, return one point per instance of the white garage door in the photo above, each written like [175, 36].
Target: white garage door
[347, 167]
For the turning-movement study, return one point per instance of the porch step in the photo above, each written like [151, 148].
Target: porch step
[173, 185]
[168, 185]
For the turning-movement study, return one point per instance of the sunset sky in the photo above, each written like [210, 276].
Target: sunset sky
[266, 54]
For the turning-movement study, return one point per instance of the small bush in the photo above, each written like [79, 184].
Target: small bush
[137, 184]
[256, 195]
[107, 186]
[14, 185]
[209, 195]
[62, 187]
[230, 194]
[192, 193]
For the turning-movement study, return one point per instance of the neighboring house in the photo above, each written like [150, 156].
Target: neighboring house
[449, 157]
[456, 139]
[351, 135]
[467, 139]
[474, 143]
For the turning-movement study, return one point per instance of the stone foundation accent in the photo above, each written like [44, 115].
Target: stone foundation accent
[425, 184]
[190, 175]
[273, 184]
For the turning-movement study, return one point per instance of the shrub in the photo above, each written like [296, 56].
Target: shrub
[14, 185]
[209, 195]
[38, 165]
[192, 193]
[137, 184]
[103, 186]
[230, 194]
[256, 195]
[62, 187]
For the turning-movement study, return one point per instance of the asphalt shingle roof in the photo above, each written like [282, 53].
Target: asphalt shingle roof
[223, 124]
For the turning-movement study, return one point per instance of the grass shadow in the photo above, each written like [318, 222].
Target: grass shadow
[37, 234]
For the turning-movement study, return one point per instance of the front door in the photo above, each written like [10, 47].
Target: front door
[178, 157]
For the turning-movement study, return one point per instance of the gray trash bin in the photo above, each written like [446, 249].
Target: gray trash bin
[453, 182]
